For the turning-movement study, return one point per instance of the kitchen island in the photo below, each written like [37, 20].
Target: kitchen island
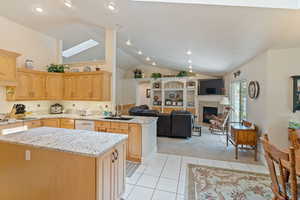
[54, 163]
[141, 131]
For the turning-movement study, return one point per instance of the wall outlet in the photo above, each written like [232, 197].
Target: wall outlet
[27, 155]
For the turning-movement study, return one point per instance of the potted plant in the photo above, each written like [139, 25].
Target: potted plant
[156, 75]
[138, 73]
[58, 68]
[182, 74]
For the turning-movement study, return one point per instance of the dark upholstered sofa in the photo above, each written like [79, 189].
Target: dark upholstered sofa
[177, 124]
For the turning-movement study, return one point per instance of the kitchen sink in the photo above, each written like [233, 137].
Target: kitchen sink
[118, 118]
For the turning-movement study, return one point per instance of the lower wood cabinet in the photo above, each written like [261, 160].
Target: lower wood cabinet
[33, 124]
[111, 171]
[50, 174]
[134, 132]
[67, 123]
[55, 123]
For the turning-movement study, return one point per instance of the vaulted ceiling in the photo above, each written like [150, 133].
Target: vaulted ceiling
[220, 37]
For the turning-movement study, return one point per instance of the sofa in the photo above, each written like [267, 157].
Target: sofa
[178, 124]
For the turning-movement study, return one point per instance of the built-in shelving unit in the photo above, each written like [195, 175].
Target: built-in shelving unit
[174, 94]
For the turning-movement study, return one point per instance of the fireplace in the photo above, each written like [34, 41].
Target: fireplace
[208, 113]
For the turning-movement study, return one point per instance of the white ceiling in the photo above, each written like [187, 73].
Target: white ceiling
[220, 37]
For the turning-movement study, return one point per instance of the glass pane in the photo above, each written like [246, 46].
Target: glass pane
[243, 99]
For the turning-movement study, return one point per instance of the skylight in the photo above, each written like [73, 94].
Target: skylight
[80, 48]
[291, 4]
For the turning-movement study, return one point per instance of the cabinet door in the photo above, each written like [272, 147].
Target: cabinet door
[69, 87]
[96, 87]
[120, 170]
[33, 124]
[67, 123]
[23, 89]
[55, 123]
[54, 87]
[38, 89]
[135, 142]
[105, 176]
[8, 65]
[106, 87]
[84, 84]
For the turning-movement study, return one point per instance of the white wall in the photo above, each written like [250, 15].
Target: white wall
[33, 45]
[254, 70]
[126, 88]
[273, 109]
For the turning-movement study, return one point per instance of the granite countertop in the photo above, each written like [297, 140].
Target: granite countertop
[136, 119]
[81, 142]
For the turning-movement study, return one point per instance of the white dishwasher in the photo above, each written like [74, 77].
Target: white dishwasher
[85, 125]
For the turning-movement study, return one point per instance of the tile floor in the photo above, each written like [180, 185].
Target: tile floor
[163, 176]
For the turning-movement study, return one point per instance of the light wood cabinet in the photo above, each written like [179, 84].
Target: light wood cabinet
[67, 123]
[33, 124]
[134, 132]
[111, 173]
[70, 87]
[55, 123]
[8, 68]
[135, 142]
[54, 86]
[38, 85]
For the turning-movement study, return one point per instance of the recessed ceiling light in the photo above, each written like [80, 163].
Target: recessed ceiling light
[128, 43]
[39, 9]
[154, 63]
[191, 71]
[190, 61]
[190, 67]
[148, 58]
[68, 3]
[140, 52]
[189, 52]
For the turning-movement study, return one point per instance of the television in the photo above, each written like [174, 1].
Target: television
[211, 87]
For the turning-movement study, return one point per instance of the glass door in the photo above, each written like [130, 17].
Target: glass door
[238, 98]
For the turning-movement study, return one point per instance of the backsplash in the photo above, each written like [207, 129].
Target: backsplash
[43, 106]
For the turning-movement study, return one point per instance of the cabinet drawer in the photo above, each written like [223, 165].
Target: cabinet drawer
[67, 123]
[119, 125]
[33, 124]
[100, 124]
[116, 130]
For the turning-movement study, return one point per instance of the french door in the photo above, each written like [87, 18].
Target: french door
[238, 96]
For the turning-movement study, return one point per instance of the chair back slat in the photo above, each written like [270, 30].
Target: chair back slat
[294, 140]
[275, 158]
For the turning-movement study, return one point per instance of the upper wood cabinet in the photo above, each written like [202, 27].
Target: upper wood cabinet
[54, 86]
[38, 85]
[8, 68]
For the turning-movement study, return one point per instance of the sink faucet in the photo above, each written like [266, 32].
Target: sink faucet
[117, 113]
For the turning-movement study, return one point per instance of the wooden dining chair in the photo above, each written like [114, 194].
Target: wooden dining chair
[275, 157]
[293, 137]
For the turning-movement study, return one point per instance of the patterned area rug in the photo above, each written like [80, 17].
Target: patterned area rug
[131, 167]
[209, 183]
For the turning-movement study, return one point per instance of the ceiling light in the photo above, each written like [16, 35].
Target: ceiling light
[154, 63]
[148, 59]
[140, 52]
[190, 67]
[39, 9]
[111, 6]
[68, 3]
[79, 48]
[191, 71]
[189, 61]
[189, 52]
[128, 43]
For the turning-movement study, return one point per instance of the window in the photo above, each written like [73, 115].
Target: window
[79, 48]
[239, 100]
